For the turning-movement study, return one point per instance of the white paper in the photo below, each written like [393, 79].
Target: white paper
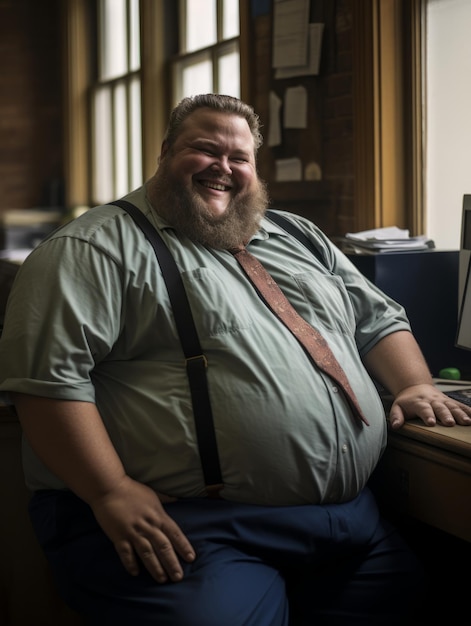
[288, 169]
[290, 33]
[388, 239]
[388, 232]
[314, 56]
[274, 128]
[295, 111]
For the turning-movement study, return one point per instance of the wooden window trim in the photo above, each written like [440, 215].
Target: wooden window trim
[246, 50]
[77, 79]
[155, 92]
[77, 63]
[387, 88]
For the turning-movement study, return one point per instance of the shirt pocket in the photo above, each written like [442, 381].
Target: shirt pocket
[218, 307]
[327, 302]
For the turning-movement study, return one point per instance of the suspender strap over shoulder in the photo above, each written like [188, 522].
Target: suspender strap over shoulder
[292, 229]
[196, 363]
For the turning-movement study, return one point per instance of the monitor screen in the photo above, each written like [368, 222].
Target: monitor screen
[463, 339]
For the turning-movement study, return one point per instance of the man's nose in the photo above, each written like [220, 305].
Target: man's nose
[221, 165]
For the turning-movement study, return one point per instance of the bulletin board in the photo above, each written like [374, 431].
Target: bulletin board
[292, 46]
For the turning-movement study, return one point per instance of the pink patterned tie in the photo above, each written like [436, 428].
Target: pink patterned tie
[310, 339]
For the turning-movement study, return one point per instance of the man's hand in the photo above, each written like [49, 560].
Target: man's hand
[133, 518]
[70, 438]
[426, 402]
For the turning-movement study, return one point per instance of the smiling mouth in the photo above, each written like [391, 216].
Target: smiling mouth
[213, 185]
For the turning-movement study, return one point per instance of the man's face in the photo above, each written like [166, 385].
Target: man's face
[207, 185]
[213, 158]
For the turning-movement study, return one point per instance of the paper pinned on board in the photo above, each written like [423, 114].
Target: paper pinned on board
[274, 128]
[288, 170]
[295, 109]
[290, 33]
[312, 66]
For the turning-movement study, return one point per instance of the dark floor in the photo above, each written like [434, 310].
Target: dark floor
[447, 563]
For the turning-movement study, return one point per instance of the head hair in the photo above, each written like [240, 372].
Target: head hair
[217, 102]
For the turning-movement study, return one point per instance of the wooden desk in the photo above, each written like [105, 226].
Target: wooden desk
[426, 473]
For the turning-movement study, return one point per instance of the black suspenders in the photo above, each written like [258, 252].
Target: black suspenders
[195, 360]
[196, 363]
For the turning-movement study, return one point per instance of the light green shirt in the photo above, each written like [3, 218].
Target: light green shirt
[89, 319]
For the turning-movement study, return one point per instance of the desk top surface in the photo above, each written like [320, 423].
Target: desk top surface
[456, 439]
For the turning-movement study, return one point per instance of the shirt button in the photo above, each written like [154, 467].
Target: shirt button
[335, 389]
[344, 448]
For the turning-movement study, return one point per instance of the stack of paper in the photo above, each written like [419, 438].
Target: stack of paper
[390, 239]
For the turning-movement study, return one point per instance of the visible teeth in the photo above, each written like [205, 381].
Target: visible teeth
[213, 186]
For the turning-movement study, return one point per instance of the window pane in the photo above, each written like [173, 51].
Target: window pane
[214, 65]
[135, 41]
[121, 141]
[230, 19]
[229, 82]
[102, 148]
[448, 95]
[197, 78]
[113, 59]
[136, 130]
[201, 24]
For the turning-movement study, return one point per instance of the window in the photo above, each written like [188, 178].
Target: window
[116, 143]
[118, 54]
[208, 60]
[448, 125]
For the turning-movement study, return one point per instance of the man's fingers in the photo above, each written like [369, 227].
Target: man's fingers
[181, 544]
[127, 557]
[156, 554]
[164, 552]
[154, 564]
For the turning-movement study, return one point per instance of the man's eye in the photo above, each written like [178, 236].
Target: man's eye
[205, 151]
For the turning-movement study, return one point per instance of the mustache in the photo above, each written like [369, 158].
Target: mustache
[225, 180]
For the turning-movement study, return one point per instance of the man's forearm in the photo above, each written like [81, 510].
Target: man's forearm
[396, 362]
[70, 439]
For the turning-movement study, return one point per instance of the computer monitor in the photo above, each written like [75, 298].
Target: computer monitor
[463, 339]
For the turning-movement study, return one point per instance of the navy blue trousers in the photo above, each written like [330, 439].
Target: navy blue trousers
[337, 564]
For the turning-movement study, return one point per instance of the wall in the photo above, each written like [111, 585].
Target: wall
[31, 154]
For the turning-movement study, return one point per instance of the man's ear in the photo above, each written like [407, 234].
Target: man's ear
[163, 150]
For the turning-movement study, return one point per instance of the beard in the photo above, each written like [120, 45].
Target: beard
[186, 211]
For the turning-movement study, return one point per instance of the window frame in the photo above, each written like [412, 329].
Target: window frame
[118, 90]
[156, 102]
[388, 153]
[212, 52]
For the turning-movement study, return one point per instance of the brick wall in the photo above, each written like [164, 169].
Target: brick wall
[31, 152]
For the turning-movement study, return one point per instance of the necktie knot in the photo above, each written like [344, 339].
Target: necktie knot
[237, 249]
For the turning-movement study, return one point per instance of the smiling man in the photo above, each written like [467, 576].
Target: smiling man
[91, 359]
[207, 185]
